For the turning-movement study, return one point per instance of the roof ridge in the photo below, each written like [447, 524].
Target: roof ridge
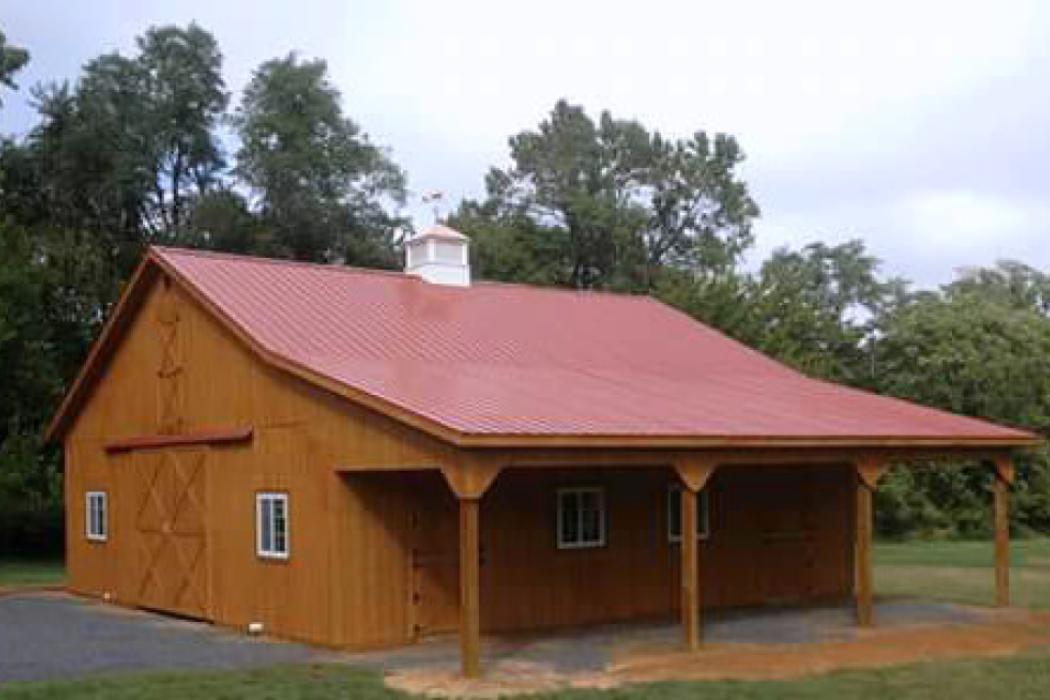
[221, 255]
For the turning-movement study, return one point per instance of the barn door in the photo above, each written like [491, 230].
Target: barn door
[435, 558]
[172, 571]
[787, 534]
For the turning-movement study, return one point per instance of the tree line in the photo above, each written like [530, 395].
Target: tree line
[150, 148]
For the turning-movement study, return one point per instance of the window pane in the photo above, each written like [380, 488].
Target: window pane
[570, 533]
[279, 526]
[266, 525]
[592, 525]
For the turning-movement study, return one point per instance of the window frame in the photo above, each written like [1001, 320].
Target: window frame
[602, 540]
[703, 514]
[102, 534]
[264, 499]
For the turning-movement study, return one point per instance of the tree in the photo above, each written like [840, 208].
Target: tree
[979, 348]
[186, 98]
[30, 493]
[122, 152]
[322, 186]
[819, 309]
[612, 204]
[12, 60]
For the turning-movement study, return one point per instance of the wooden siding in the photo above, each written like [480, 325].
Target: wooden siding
[778, 535]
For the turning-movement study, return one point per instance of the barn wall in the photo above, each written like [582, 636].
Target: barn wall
[778, 535]
[301, 436]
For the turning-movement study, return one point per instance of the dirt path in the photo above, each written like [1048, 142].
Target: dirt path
[1000, 633]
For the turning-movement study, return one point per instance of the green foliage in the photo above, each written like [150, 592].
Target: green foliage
[30, 488]
[185, 98]
[816, 309]
[321, 182]
[980, 347]
[610, 205]
[12, 60]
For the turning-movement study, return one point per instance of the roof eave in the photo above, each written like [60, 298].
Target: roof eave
[476, 440]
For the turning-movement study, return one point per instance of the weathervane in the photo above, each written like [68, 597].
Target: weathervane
[436, 199]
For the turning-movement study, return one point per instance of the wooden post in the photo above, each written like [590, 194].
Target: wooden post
[862, 555]
[869, 470]
[690, 571]
[694, 472]
[469, 476]
[1004, 477]
[469, 588]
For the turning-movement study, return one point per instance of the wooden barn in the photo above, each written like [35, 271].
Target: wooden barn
[360, 459]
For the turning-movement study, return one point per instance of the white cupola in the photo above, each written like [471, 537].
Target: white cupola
[439, 255]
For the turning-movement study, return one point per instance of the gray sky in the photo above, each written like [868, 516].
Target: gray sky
[920, 127]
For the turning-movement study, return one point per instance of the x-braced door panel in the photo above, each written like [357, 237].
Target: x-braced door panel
[171, 533]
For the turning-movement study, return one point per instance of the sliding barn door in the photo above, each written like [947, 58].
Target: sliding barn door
[170, 533]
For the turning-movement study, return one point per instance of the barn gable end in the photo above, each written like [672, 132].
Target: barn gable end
[175, 369]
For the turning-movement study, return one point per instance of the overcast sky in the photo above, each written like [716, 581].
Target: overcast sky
[921, 127]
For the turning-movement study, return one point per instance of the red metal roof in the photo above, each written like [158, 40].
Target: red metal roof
[497, 359]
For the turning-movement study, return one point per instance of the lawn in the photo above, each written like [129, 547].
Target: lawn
[956, 571]
[23, 573]
[1026, 676]
[962, 571]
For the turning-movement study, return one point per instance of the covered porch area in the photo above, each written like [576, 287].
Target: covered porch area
[540, 541]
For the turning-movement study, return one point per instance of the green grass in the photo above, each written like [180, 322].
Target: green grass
[23, 573]
[962, 572]
[1019, 677]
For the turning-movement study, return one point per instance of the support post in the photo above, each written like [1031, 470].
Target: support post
[869, 470]
[862, 555]
[470, 476]
[469, 588]
[690, 571]
[1004, 478]
[694, 472]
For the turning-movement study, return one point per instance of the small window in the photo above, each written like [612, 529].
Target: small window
[95, 516]
[674, 514]
[271, 525]
[581, 518]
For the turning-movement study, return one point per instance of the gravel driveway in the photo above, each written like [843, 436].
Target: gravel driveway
[54, 635]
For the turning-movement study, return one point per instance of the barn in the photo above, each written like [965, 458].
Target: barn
[361, 459]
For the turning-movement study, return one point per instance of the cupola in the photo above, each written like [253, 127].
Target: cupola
[439, 255]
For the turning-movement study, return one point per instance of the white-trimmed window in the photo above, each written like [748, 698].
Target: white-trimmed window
[581, 517]
[271, 525]
[95, 528]
[674, 514]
